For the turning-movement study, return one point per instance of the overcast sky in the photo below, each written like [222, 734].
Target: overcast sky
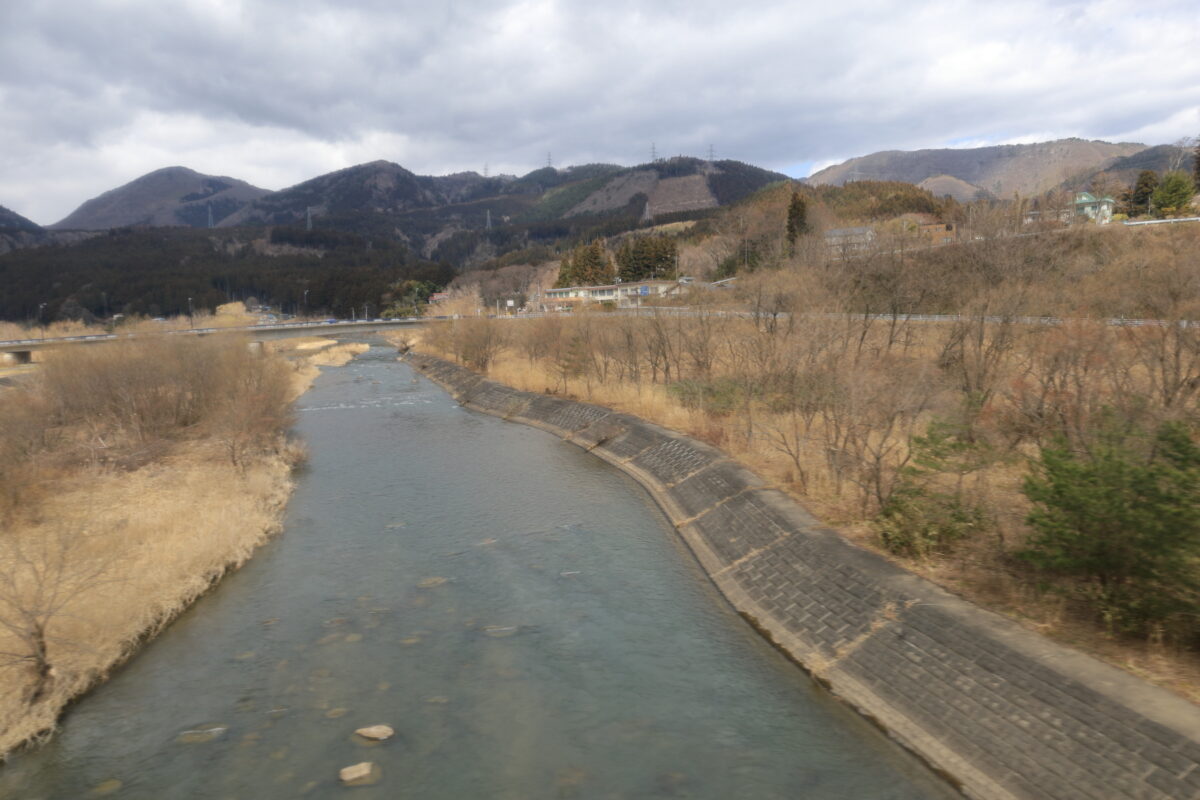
[95, 93]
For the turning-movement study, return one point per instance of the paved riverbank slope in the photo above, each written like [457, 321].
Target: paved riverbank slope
[1001, 711]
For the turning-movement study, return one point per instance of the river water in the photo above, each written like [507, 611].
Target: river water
[519, 611]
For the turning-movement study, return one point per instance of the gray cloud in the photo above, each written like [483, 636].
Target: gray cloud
[93, 94]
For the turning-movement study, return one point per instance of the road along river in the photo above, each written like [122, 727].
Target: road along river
[519, 611]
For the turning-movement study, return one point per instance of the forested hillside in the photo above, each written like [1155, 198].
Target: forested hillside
[154, 271]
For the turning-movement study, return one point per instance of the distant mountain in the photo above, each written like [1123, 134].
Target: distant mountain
[17, 232]
[463, 219]
[1001, 170]
[169, 196]
[378, 187]
[12, 221]
[1124, 171]
[383, 199]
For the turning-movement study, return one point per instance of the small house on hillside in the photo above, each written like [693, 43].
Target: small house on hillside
[937, 232]
[1096, 209]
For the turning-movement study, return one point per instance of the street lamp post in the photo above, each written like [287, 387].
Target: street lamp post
[304, 306]
[191, 320]
[41, 306]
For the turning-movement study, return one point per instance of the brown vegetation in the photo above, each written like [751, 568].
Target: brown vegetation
[132, 476]
[914, 436]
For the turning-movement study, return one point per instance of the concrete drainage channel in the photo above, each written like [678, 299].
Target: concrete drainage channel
[1000, 711]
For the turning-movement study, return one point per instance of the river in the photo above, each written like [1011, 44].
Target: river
[519, 611]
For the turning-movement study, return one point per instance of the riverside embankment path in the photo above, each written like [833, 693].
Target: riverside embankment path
[520, 612]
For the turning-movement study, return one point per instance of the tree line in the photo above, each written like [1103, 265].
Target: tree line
[154, 272]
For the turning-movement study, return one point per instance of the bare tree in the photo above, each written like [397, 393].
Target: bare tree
[43, 576]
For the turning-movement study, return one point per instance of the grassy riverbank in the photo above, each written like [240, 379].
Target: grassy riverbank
[132, 477]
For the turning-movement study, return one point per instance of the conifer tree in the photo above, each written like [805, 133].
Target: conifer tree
[566, 273]
[1147, 182]
[589, 266]
[1174, 193]
[797, 218]
[646, 257]
[1196, 164]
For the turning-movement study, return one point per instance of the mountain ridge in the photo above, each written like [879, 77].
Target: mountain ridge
[996, 170]
[168, 196]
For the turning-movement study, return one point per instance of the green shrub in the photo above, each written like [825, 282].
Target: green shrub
[920, 523]
[1123, 520]
[719, 397]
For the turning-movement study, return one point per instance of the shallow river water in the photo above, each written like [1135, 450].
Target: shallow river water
[519, 611]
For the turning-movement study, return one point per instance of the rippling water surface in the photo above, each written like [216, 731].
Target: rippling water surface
[516, 609]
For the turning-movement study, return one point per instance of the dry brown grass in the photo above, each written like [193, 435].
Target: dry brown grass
[163, 535]
[873, 385]
[113, 523]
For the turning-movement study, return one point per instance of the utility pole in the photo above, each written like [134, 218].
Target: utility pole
[210, 219]
[308, 218]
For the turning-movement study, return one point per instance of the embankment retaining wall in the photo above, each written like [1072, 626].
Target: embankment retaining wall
[1001, 711]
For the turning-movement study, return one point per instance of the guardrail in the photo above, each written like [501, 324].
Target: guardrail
[1162, 221]
[285, 327]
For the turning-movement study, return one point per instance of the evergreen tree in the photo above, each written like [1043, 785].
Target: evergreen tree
[1196, 164]
[588, 265]
[1147, 182]
[644, 257]
[566, 274]
[1123, 519]
[1174, 193]
[797, 218]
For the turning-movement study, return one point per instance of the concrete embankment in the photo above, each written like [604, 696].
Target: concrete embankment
[1002, 712]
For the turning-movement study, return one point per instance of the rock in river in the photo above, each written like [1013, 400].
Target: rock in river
[376, 732]
[359, 774]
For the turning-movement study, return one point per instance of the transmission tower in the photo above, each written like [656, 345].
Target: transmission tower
[653, 153]
[710, 152]
[210, 219]
[308, 218]
[549, 159]
[485, 169]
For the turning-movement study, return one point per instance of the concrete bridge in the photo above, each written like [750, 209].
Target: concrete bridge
[20, 351]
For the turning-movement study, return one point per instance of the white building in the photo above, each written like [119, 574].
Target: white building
[622, 295]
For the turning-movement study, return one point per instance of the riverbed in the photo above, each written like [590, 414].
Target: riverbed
[519, 611]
